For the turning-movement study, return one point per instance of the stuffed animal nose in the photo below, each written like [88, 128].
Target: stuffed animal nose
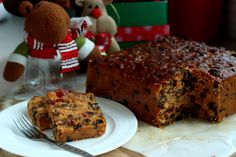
[96, 13]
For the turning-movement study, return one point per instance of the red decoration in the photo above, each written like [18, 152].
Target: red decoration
[142, 33]
[101, 40]
[96, 13]
[90, 36]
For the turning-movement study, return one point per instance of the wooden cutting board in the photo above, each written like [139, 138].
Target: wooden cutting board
[119, 152]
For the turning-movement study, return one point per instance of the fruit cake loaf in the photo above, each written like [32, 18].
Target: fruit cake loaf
[168, 79]
[38, 113]
[75, 116]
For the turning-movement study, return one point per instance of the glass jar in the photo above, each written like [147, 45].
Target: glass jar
[42, 75]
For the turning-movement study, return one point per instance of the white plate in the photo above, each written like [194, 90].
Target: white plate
[121, 126]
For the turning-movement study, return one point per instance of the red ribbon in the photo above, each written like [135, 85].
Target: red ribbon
[141, 33]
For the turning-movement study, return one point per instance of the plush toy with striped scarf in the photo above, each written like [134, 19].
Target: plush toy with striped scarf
[48, 37]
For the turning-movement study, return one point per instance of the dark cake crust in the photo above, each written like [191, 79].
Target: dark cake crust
[168, 79]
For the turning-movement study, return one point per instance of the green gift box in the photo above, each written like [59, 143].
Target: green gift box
[139, 21]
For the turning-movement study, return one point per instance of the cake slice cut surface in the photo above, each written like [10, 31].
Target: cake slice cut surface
[38, 113]
[75, 116]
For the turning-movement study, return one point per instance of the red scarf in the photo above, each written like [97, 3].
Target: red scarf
[67, 50]
[102, 40]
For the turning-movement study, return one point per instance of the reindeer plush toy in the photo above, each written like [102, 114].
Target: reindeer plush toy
[103, 26]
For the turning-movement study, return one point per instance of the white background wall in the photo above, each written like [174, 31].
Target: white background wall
[11, 34]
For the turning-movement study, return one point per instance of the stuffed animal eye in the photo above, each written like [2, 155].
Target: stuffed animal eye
[96, 6]
[90, 6]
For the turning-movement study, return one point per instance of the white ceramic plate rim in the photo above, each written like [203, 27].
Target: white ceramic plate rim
[121, 127]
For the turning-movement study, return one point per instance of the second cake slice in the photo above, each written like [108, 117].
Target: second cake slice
[74, 116]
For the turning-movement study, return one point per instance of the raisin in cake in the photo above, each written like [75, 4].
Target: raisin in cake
[38, 113]
[75, 116]
[168, 79]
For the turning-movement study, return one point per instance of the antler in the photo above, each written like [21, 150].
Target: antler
[79, 2]
[106, 2]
